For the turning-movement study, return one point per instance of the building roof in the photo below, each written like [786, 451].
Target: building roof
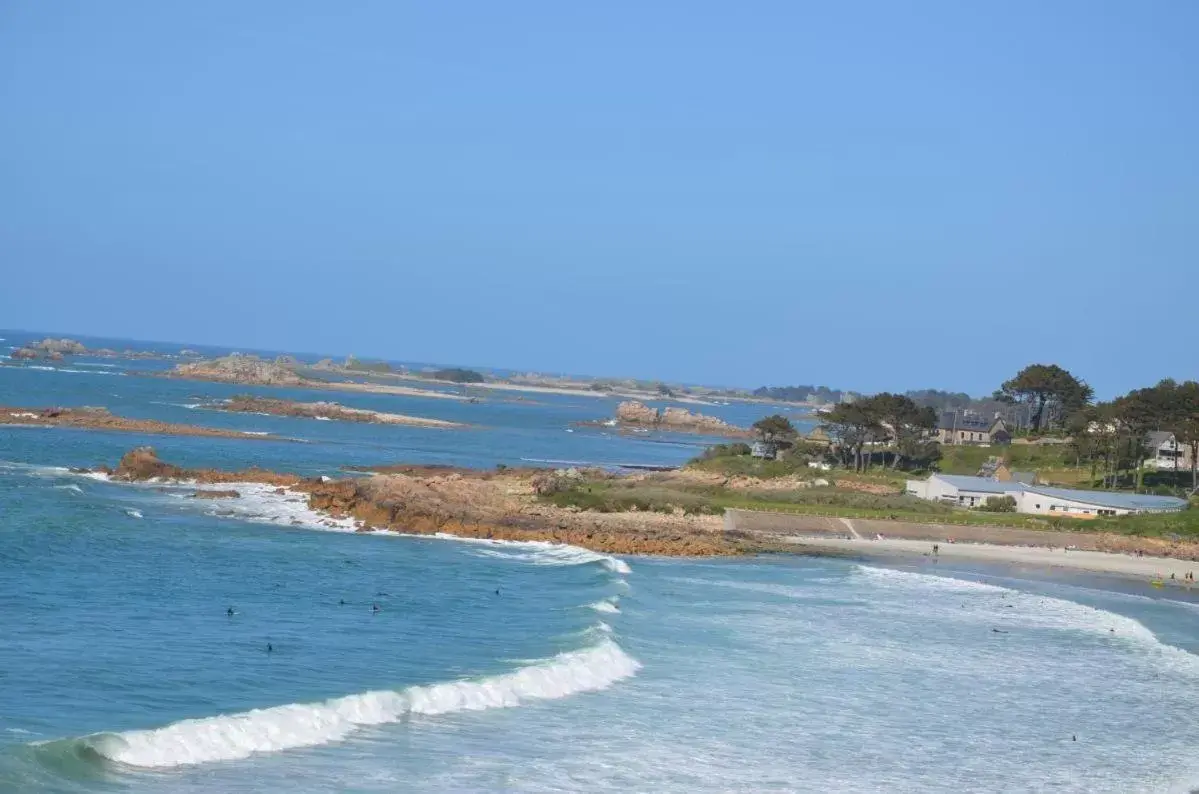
[965, 482]
[1155, 438]
[1105, 499]
[954, 420]
[1120, 501]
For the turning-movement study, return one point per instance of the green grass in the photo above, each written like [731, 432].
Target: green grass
[966, 459]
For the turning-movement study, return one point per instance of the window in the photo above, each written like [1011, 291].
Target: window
[1038, 507]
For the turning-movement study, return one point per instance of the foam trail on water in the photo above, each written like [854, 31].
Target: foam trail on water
[134, 513]
[543, 552]
[263, 504]
[1034, 611]
[607, 605]
[235, 736]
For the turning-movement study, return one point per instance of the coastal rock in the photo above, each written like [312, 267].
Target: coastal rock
[25, 353]
[249, 403]
[61, 346]
[142, 463]
[215, 495]
[633, 412]
[95, 418]
[239, 369]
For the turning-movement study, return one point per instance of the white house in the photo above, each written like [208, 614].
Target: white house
[1038, 499]
[960, 490]
[1165, 452]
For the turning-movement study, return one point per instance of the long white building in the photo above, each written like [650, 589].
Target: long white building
[963, 491]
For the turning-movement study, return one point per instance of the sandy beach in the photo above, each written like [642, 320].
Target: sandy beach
[1145, 568]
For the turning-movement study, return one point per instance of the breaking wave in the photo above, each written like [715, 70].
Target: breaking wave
[543, 552]
[1032, 611]
[236, 736]
[607, 605]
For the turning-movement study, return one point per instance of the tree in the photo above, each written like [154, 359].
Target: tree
[902, 420]
[1053, 392]
[1185, 425]
[774, 429]
[851, 426]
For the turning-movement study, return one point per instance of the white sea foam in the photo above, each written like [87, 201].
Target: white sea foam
[323, 418]
[235, 736]
[72, 488]
[1034, 611]
[265, 504]
[904, 580]
[134, 513]
[42, 368]
[607, 605]
[34, 469]
[543, 552]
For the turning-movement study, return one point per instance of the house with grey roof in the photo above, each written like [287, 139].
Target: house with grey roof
[964, 491]
[1166, 452]
[967, 427]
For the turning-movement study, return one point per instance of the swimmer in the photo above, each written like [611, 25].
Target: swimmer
[374, 607]
[270, 648]
[230, 612]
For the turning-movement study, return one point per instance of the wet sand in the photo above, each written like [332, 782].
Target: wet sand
[1126, 565]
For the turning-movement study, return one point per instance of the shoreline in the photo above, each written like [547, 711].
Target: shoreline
[1148, 569]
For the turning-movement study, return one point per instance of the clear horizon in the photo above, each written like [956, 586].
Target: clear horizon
[862, 197]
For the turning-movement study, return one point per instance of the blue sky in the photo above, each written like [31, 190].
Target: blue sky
[871, 195]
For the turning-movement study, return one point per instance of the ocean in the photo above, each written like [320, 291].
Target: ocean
[368, 662]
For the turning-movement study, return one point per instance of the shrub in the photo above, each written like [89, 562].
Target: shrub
[999, 504]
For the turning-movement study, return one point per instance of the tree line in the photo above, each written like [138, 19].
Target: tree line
[1111, 435]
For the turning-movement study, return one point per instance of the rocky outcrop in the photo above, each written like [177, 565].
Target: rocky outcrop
[632, 412]
[249, 370]
[101, 419]
[322, 410]
[142, 464]
[227, 494]
[64, 346]
[499, 505]
[25, 354]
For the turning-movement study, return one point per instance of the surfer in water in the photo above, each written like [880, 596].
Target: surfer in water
[230, 612]
[374, 609]
[270, 648]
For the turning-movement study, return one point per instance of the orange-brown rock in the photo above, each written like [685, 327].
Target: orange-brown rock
[142, 463]
[679, 420]
[498, 505]
[101, 419]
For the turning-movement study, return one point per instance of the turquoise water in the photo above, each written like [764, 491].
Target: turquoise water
[120, 669]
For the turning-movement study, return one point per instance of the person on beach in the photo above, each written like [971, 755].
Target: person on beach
[936, 549]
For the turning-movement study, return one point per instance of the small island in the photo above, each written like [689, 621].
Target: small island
[633, 414]
[247, 403]
[95, 418]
